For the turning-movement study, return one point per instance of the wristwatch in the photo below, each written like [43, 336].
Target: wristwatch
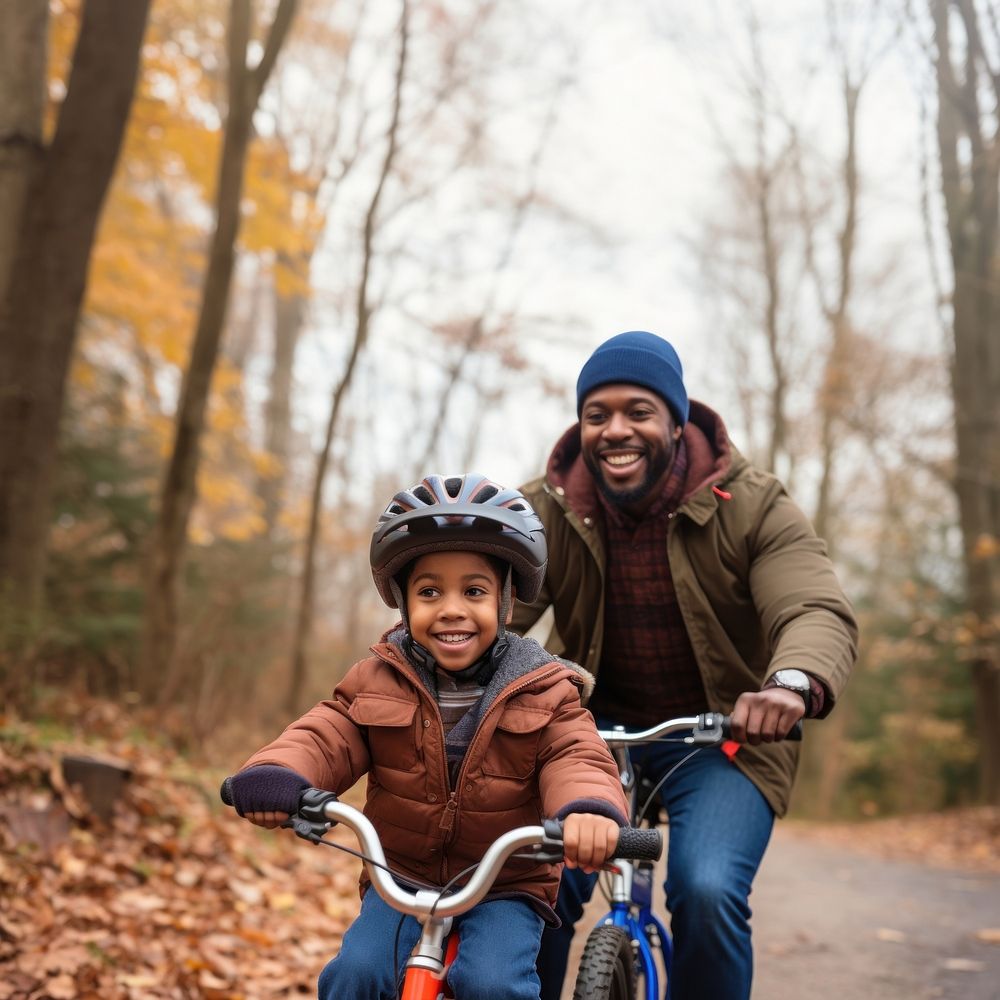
[793, 680]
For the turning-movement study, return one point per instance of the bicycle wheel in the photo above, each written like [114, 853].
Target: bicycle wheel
[607, 969]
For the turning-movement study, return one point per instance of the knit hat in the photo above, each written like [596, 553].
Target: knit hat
[637, 358]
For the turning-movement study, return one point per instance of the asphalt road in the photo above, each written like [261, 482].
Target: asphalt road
[834, 923]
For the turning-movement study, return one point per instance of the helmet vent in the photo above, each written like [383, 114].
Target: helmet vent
[396, 509]
[518, 506]
[453, 484]
[486, 493]
[423, 494]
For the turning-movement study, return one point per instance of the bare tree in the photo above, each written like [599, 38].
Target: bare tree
[318, 183]
[177, 494]
[475, 328]
[61, 189]
[289, 318]
[362, 318]
[752, 258]
[965, 57]
[835, 292]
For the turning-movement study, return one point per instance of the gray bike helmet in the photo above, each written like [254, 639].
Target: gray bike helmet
[459, 513]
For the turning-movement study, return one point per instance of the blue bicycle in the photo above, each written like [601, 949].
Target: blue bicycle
[630, 947]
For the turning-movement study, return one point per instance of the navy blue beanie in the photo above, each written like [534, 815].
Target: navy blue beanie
[637, 358]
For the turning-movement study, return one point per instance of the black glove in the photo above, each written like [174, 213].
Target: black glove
[267, 788]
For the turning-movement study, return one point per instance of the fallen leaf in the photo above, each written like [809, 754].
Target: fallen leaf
[138, 980]
[61, 988]
[888, 934]
[246, 892]
[964, 965]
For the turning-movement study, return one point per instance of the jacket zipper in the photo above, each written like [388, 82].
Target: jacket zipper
[447, 824]
[448, 821]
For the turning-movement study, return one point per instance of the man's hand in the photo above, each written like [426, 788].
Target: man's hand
[588, 840]
[766, 716]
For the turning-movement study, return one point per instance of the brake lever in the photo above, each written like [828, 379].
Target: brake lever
[709, 731]
[550, 850]
[310, 822]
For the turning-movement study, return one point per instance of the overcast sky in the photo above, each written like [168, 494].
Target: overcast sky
[636, 150]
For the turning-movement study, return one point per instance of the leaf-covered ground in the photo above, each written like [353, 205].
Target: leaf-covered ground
[966, 838]
[175, 897]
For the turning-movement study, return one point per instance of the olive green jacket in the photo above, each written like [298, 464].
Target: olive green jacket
[756, 588]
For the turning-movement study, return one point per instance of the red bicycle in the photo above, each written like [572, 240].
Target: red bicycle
[425, 973]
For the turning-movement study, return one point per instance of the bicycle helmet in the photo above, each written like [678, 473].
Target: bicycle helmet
[467, 513]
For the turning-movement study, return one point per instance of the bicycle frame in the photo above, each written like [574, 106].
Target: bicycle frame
[427, 966]
[425, 977]
[631, 903]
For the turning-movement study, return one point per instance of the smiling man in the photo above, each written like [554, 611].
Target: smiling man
[687, 581]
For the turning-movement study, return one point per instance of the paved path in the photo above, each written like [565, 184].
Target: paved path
[833, 923]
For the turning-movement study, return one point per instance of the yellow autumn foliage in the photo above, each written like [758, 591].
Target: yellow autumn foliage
[150, 256]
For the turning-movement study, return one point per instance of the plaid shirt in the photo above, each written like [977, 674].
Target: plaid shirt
[648, 670]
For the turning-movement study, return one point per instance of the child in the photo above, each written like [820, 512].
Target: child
[465, 731]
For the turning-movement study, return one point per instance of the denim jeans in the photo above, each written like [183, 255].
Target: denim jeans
[498, 942]
[719, 828]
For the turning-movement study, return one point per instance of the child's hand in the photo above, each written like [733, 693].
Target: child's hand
[267, 793]
[266, 819]
[588, 840]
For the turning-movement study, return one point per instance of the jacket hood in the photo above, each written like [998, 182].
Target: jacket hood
[711, 455]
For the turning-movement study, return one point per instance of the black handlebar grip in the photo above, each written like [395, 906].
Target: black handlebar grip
[794, 734]
[639, 845]
[226, 791]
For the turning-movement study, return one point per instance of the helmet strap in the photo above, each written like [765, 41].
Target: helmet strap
[400, 598]
[504, 609]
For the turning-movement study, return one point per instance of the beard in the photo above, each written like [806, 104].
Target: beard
[658, 464]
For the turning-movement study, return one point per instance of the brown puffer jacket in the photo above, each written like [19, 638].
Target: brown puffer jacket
[535, 753]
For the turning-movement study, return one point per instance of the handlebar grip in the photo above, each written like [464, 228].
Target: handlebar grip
[639, 845]
[794, 734]
[226, 791]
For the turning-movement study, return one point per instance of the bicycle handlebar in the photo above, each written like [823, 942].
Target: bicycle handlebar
[707, 729]
[318, 810]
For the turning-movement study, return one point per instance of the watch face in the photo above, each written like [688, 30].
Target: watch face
[794, 679]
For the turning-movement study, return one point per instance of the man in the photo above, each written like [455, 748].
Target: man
[686, 580]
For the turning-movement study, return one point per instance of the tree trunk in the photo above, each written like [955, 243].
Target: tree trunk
[39, 312]
[159, 671]
[833, 399]
[23, 60]
[289, 317]
[303, 625]
[970, 178]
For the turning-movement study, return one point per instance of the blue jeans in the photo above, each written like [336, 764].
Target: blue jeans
[719, 827]
[498, 942]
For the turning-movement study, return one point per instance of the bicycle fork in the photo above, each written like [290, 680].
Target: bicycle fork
[631, 910]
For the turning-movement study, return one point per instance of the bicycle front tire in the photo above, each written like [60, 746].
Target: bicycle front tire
[607, 968]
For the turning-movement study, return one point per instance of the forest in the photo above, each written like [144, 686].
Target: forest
[264, 263]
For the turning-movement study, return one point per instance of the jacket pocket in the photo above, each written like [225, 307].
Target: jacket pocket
[513, 751]
[391, 732]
